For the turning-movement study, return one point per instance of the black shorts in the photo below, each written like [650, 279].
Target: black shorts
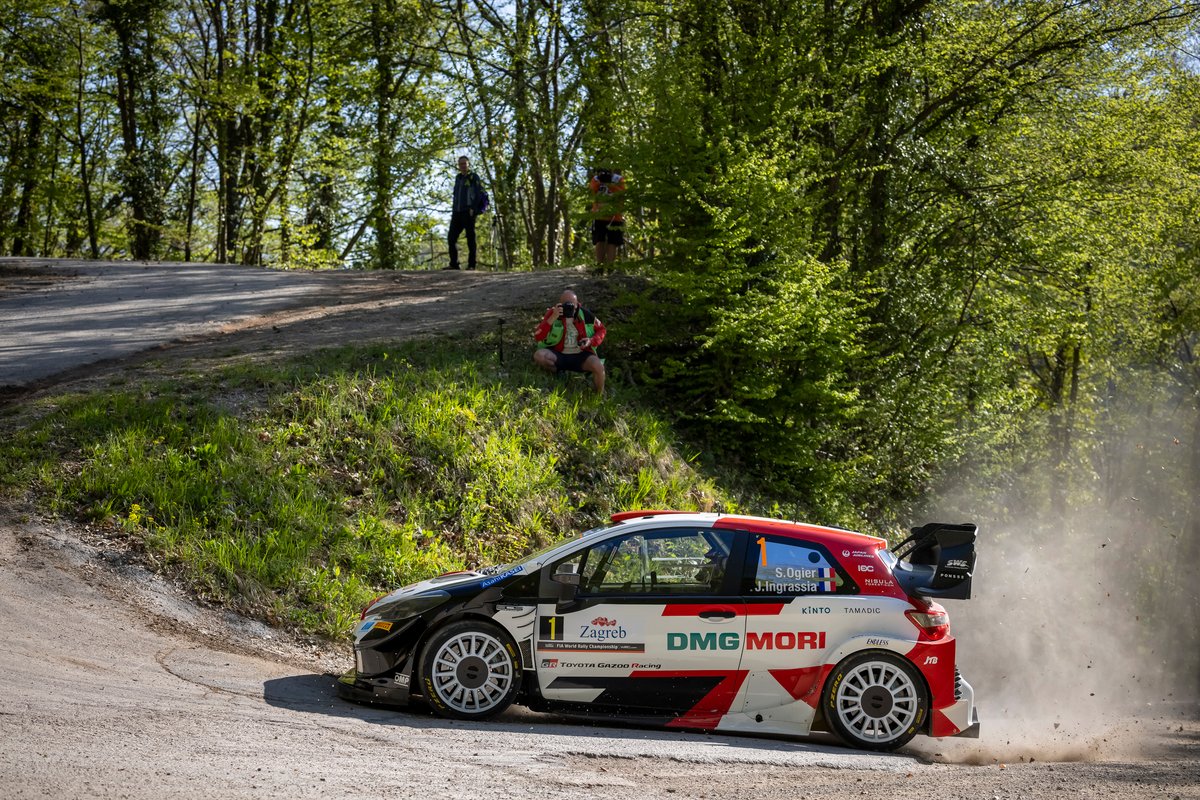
[605, 232]
[570, 362]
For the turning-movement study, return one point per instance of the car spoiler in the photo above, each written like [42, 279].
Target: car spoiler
[937, 560]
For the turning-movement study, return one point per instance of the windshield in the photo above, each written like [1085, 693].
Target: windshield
[541, 556]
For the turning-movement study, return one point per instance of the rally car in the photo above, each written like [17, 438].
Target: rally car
[696, 621]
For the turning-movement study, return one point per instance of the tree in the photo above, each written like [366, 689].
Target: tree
[518, 79]
[138, 27]
[896, 154]
[402, 67]
[34, 100]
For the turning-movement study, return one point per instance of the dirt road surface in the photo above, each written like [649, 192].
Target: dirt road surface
[116, 684]
[62, 319]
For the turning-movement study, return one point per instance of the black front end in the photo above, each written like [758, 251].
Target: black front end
[389, 638]
[383, 661]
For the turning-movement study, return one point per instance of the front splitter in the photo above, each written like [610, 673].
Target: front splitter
[390, 691]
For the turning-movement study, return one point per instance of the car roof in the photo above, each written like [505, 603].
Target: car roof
[820, 534]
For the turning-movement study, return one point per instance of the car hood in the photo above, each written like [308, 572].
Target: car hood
[451, 580]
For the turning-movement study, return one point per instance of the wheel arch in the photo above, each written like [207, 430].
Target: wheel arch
[459, 615]
[467, 688]
[846, 651]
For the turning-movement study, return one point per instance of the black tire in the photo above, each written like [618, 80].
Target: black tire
[470, 670]
[875, 700]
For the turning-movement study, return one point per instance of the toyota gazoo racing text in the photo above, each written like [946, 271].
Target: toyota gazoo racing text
[697, 621]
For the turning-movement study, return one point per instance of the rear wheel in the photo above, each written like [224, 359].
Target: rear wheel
[875, 700]
[470, 670]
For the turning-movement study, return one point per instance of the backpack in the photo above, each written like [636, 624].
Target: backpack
[482, 201]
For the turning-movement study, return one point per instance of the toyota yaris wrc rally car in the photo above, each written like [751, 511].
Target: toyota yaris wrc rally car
[697, 621]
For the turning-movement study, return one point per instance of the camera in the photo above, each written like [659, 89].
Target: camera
[568, 310]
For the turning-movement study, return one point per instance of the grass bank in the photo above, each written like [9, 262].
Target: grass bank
[296, 492]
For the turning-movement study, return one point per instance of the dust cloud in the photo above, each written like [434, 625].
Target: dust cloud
[1080, 639]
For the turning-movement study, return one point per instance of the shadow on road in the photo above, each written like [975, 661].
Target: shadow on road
[317, 694]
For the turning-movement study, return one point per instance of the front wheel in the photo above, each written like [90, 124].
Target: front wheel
[470, 670]
[875, 700]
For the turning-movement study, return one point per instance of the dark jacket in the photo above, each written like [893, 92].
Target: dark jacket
[466, 193]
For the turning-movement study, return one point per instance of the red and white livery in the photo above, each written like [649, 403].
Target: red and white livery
[698, 621]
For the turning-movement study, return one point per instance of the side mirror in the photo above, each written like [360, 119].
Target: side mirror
[566, 575]
[568, 580]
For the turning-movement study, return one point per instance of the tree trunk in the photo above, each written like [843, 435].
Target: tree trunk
[879, 113]
[1062, 388]
[228, 140]
[137, 103]
[85, 175]
[48, 234]
[23, 229]
[600, 81]
[322, 193]
[194, 161]
[8, 186]
[382, 25]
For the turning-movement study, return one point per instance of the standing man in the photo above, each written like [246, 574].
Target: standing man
[467, 195]
[608, 223]
[567, 338]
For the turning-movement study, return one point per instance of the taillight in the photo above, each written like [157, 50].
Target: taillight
[932, 621]
[367, 607]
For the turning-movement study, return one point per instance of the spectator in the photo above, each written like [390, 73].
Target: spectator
[467, 195]
[608, 223]
[567, 338]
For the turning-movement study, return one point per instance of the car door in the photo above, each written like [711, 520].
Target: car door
[652, 628]
[794, 584]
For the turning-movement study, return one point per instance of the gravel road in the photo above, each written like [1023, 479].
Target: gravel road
[116, 684]
[55, 316]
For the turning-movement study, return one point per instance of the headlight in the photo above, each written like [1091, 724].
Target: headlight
[408, 607]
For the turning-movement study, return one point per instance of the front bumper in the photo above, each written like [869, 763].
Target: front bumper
[392, 690]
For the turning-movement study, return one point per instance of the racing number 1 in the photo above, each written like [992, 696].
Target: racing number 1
[762, 549]
[551, 628]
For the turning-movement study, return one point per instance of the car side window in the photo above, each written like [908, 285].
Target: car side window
[779, 566]
[666, 561]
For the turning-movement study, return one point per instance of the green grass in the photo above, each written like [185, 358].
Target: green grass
[297, 492]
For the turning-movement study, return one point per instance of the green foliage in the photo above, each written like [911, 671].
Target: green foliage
[894, 243]
[300, 492]
[890, 247]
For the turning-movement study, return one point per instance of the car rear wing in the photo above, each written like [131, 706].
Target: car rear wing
[937, 561]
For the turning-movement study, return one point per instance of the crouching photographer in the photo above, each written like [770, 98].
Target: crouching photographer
[567, 338]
